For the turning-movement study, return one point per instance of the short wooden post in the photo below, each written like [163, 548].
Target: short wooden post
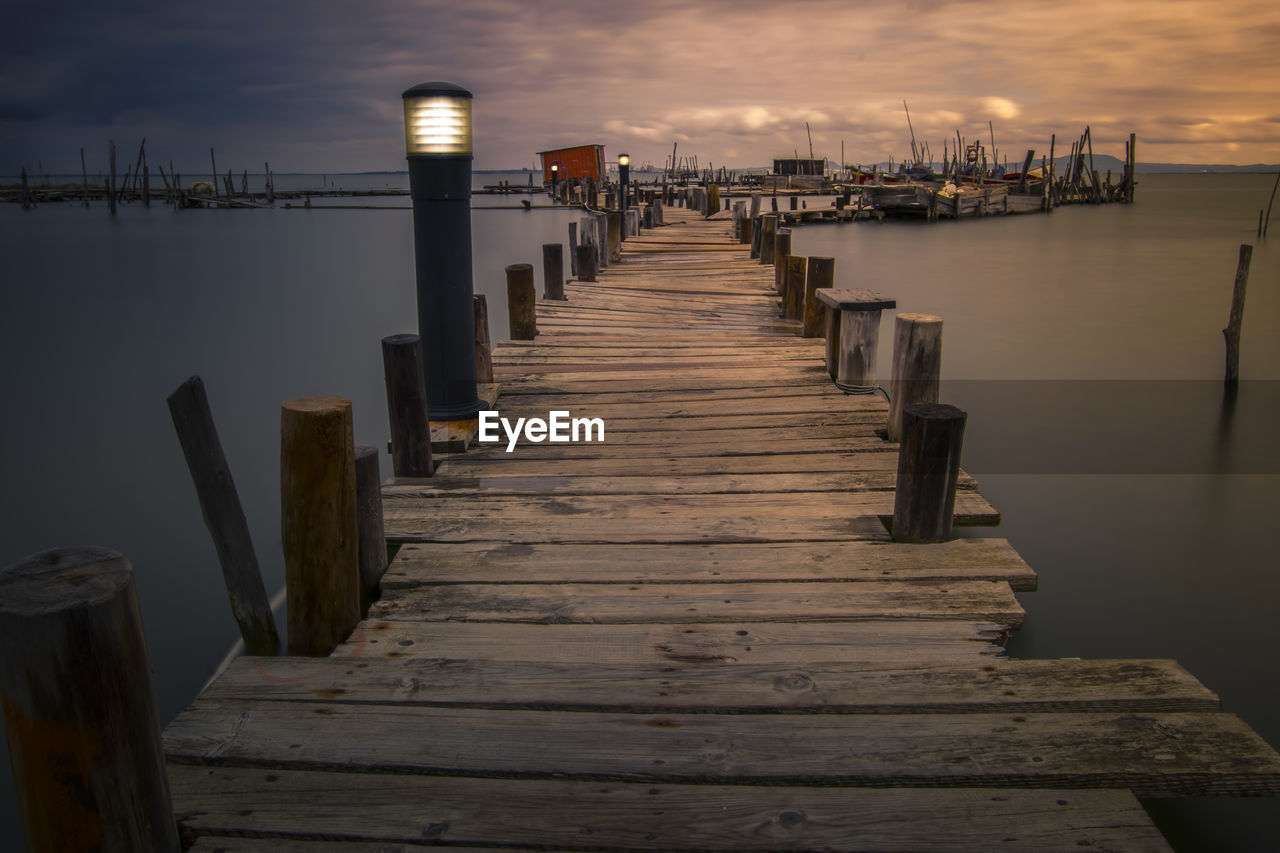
[768, 231]
[371, 538]
[407, 406]
[318, 523]
[79, 708]
[928, 469]
[755, 205]
[831, 331]
[781, 249]
[793, 286]
[614, 235]
[859, 332]
[553, 271]
[586, 262]
[713, 199]
[602, 240]
[224, 517]
[484, 347]
[744, 231]
[1232, 331]
[917, 366]
[573, 249]
[521, 302]
[820, 274]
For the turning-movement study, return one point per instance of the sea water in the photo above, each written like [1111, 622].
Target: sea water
[1085, 346]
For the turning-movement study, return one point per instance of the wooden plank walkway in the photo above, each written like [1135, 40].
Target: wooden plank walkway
[696, 635]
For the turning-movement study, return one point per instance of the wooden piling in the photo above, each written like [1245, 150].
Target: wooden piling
[768, 230]
[917, 366]
[484, 345]
[781, 250]
[407, 413]
[84, 181]
[744, 230]
[793, 286]
[613, 234]
[928, 470]
[318, 523]
[553, 271]
[821, 273]
[224, 517]
[521, 302]
[573, 249]
[586, 262]
[79, 708]
[371, 540]
[713, 199]
[1232, 331]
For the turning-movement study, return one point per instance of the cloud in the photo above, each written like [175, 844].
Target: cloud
[999, 107]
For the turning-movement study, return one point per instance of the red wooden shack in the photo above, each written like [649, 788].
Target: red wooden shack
[580, 161]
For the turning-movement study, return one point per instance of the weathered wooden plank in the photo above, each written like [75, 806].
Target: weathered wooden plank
[598, 483]
[978, 687]
[504, 465]
[730, 443]
[469, 562]
[1151, 754]
[693, 412]
[901, 644]
[655, 518]
[390, 814]
[781, 601]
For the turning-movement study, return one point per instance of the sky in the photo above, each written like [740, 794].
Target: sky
[314, 85]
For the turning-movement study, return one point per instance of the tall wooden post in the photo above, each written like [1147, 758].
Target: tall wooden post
[928, 469]
[1232, 331]
[553, 271]
[407, 406]
[318, 523]
[370, 537]
[820, 274]
[224, 517]
[521, 302]
[917, 366]
[613, 234]
[79, 709]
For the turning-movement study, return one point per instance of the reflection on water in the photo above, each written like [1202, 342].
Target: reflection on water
[1085, 346]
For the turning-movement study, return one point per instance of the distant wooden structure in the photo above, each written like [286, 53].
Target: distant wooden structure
[799, 166]
[583, 162]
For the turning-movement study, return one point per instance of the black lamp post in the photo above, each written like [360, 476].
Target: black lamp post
[555, 177]
[437, 130]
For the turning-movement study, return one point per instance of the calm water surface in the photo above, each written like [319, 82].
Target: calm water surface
[1085, 345]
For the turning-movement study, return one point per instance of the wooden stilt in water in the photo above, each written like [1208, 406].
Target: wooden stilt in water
[79, 708]
[224, 516]
[318, 523]
[1232, 331]
[521, 302]
[928, 470]
[84, 181]
[917, 366]
[407, 413]
[781, 249]
[111, 188]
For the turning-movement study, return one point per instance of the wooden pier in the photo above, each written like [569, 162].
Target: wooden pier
[696, 635]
